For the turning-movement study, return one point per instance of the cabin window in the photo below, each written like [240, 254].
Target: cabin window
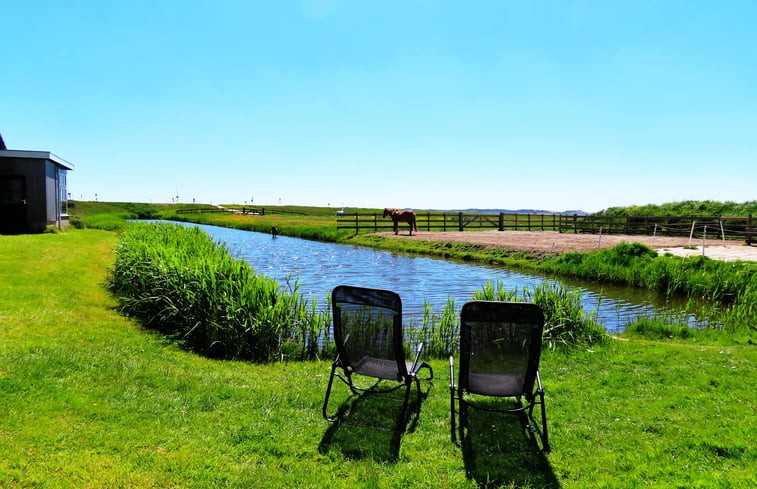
[12, 190]
[62, 191]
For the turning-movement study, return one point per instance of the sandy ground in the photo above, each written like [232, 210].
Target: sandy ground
[543, 242]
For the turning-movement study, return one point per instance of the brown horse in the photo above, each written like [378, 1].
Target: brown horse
[398, 216]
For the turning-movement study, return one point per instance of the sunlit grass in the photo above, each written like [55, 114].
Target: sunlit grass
[90, 399]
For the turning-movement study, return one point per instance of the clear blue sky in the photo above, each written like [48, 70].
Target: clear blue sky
[427, 104]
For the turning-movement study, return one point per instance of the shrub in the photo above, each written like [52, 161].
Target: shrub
[177, 280]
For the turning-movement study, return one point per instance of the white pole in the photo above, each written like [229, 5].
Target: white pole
[691, 234]
[722, 232]
[654, 234]
[704, 239]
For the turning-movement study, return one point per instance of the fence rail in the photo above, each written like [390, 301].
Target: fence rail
[691, 226]
[253, 211]
[202, 210]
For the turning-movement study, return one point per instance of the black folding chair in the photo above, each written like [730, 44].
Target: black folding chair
[500, 346]
[369, 342]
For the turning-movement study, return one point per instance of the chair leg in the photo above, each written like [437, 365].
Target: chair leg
[408, 386]
[452, 398]
[418, 391]
[452, 413]
[545, 435]
[328, 395]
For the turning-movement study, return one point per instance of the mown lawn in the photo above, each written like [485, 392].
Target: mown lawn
[90, 399]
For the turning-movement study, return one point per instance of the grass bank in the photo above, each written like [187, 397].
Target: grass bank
[90, 399]
[729, 288]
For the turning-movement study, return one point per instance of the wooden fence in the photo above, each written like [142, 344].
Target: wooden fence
[253, 211]
[690, 226]
[202, 210]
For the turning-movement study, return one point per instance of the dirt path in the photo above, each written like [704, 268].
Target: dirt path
[543, 242]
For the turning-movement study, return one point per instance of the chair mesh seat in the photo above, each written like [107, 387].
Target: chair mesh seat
[496, 385]
[377, 367]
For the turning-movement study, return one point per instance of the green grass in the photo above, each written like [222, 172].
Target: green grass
[90, 399]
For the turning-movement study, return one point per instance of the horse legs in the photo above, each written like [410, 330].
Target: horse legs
[396, 226]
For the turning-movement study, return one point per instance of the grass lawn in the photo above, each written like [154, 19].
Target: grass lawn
[90, 399]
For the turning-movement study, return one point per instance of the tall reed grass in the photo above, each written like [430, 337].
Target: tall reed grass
[565, 321]
[177, 280]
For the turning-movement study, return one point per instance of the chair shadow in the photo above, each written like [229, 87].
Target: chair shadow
[500, 449]
[371, 425]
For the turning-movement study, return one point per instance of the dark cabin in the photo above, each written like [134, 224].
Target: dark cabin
[33, 192]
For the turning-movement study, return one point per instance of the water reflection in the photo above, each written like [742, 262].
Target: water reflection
[319, 267]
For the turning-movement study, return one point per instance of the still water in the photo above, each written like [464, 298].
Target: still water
[319, 267]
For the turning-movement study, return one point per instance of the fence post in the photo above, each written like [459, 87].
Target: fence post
[444, 221]
[501, 221]
[722, 231]
[428, 221]
[460, 221]
[654, 234]
[749, 230]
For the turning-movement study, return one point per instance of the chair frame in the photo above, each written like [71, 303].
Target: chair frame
[341, 368]
[533, 391]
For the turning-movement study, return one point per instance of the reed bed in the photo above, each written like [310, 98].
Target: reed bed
[565, 322]
[177, 280]
[729, 287]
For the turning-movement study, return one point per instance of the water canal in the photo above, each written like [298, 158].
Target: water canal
[319, 267]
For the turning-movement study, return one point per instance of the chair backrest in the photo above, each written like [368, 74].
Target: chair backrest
[500, 346]
[368, 324]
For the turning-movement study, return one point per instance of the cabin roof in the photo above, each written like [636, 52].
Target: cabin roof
[36, 155]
